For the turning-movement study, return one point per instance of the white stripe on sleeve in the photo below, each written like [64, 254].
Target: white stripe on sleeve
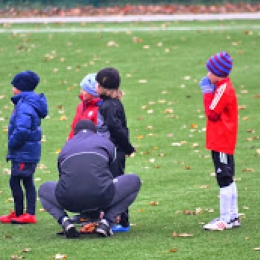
[218, 96]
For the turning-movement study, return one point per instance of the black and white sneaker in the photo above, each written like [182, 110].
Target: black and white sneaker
[235, 223]
[103, 229]
[69, 229]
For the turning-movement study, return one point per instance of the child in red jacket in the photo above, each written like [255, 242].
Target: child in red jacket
[90, 102]
[221, 109]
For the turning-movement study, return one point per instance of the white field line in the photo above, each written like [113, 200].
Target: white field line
[125, 29]
[134, 18]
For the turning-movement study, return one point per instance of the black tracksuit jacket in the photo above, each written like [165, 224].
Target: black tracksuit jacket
[112, 124]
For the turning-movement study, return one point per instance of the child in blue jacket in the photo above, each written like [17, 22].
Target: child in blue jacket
[24, 145]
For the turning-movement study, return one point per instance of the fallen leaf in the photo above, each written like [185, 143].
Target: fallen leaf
[142, 81]
[248, 170]
[175, 234]
[176, 144]
[193, 126]
[60, 256]
[153, 203]
[168, 111]
[25, 250]
[111, 43]
[204, 186]
[185, 235]
[242, 107]
[136, 39]
[62, 118]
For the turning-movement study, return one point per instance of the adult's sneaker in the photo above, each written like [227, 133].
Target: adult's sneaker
[25, 218]
[69, 229]
[119, 228]
[103, 229]
[236, 223]
[6, 219]
[218, 224]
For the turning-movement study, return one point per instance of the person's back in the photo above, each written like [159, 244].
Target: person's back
[84, 171]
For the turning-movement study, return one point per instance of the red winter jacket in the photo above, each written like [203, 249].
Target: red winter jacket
[85, 110]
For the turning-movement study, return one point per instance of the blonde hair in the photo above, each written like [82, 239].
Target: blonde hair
[112, 93]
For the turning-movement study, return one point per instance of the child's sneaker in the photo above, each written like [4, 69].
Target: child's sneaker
[24, 219]
[119, 228]
[103, 229]
[218, 224]
[69, 229]
[6, 219]
[236, 223]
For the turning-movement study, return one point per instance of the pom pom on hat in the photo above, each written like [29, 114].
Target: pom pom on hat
[26, 80]
[85, 125]
[220, 64]
[108, 78]
[89, 84]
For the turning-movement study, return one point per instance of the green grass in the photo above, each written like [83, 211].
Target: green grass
[160, 113]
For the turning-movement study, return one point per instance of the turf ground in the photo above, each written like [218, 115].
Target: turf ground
[160, 65]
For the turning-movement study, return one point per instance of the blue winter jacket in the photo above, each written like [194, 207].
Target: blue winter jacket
[24, 131]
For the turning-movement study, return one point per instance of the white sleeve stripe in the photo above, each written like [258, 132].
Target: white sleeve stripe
[218, 96]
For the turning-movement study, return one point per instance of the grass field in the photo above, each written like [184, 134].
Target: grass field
[161, 65]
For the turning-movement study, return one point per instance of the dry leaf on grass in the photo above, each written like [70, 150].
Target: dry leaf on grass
[175, 234]
[248, 170]
[153, 203]
[25, 250]
[63, 118]
[60, 256]
[242, 107]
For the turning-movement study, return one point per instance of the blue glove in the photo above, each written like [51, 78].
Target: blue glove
[206, 86]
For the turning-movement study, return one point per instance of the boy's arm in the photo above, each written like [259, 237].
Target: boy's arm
[208, 91]
[211, 114]
[116, 130]
[21, 131]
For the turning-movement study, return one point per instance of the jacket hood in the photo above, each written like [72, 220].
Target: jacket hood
[37, 101]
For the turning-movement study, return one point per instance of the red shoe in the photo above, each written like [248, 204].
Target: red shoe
[24, 219]
[6, 219]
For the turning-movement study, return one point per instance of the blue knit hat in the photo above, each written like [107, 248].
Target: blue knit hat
[26, 80]
[89, 84]
[220, 64]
